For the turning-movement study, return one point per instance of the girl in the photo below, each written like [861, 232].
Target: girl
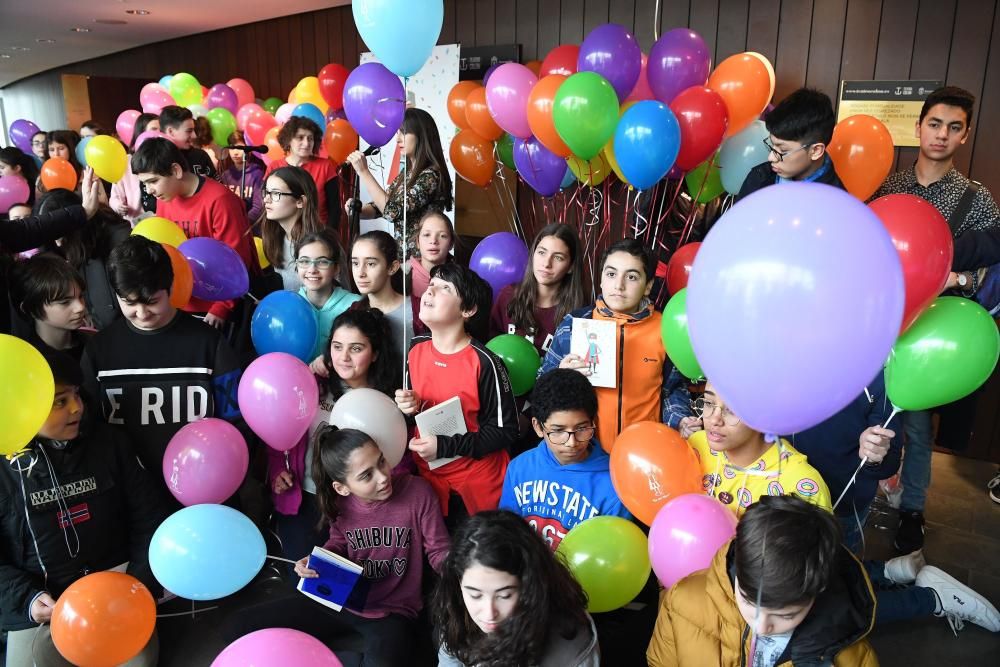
[231, 174]
[505, 599]
[40, 147]
[550, 290]
[50, 293]
[15, 163]
[289, 214]
[374, 261]
[435, 240]
[62, 143]
[301, 139]
[128, 196]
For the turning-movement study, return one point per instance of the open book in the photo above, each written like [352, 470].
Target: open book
[336, 580]
[443, 419]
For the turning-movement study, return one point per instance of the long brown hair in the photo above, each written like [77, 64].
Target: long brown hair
[570, 296]
[332, 449]
[302, 186]
[428, 153]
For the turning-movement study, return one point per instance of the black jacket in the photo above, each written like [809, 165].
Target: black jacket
[761, 176]
[974, 250]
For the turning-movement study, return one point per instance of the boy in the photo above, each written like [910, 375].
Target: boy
[566, 479]
[301, 140]
[800, 129]
[50, 293]
[178, 124]
[448, 363]
[201, 207]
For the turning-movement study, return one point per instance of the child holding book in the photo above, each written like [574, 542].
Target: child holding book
[374, 262]
[50, 293]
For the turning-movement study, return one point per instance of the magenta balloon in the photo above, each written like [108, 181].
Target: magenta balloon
[611, 51]
[21, 132]
[278, 398]
[507, 97]
[149, 90]
[245, 113]
[13, 190]
[149, 134]
[678, 60]
[334, 114]
[540, 167]
[374, 101]
[205, 462]
[125, 125]
[686, 534]
[500, 259]
[219, 272]
[156, 101]
[222, 96]
[277, 647]
[794, 302]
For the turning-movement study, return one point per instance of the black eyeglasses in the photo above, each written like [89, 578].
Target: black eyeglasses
[585, 434]
[275, 195]
[705, 409]
[782, 155]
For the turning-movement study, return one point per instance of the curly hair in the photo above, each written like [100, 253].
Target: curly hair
[373, 325]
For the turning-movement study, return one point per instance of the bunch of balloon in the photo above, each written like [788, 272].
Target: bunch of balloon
[862, 152]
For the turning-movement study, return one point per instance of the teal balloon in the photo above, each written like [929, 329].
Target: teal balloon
[401, 33]
[81, 151]
[312, 112]
[223, 124]
[568, 179]
[740, 153]
[585, 113]
[704, 182]
[165, 80]
[677, 339]
[505, 151]
[521, 359]
[272, 104]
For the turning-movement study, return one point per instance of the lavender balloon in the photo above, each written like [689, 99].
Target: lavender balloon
[794, 302]
[219, 272]
[540, 167]
[21, 132]
[374, 101]
[678, 60]
[611, 51]
[221, 95]
[500, 259]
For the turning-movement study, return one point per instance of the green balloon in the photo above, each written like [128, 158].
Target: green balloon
[609, 556]
[704, 182]
[223, 124]
[271, 105]
[185, 89]
[677, 339]
[521, 359]
[585, 113]
[505, 151]
[948, 353]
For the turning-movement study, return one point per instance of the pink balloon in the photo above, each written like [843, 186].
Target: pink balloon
[156, 101]
[278, 397]
[125, 125]
[13, 190]
[507, 97]
[205, 462]
[641, 91]
[246, 112]
[243, 89]
[283, 113]
[149, 90]
[277, 647]
[686, 534]
[222, 96]
[148, 134]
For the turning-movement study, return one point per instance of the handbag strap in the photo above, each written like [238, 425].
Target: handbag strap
[963, 206]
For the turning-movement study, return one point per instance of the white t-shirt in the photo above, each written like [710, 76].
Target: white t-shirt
[322, 417]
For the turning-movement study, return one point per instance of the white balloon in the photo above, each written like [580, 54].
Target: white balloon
[374, 413]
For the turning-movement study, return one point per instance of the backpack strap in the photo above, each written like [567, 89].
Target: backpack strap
[964, 205]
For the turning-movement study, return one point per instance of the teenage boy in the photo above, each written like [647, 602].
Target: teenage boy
[448, 363]
[566, 479]
[301, 139]
[800, 129]
[201, 207]
[49, 292]
[178, 124]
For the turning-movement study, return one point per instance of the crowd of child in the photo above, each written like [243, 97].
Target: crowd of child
[472, 539]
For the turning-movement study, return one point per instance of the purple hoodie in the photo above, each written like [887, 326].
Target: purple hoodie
[253, 190]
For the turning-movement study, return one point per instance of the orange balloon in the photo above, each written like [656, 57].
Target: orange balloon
[180, 289]
[274, 149]
[472, 157]
[651, 464]
[478, 116]
[535, 66]
[745, 86]
[862, 153]
[103, 619]
[340, 140]
[58, 173]
[541, 99]
[456, 102]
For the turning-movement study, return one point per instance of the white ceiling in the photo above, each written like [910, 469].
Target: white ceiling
[24, 22]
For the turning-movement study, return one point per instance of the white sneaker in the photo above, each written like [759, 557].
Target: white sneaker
[904, 569]
[958, 602]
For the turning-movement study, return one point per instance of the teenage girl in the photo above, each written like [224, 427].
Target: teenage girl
[374, 262]
[289, 214]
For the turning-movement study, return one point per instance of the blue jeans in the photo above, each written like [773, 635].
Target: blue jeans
[852, 528]
[898, 602]
[916, 473]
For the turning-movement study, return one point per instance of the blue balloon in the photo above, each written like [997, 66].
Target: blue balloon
[206, 552]
[401, 33]
[165, 81]
[647, 141]
[569, 178]
[740, 153]
[312, 112]
[285, 322]
[81, 154]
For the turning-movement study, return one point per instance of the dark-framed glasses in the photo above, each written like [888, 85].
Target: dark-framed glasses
[781, 155]
[585, 434]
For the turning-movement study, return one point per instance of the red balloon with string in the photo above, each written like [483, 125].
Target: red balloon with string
[679, 267]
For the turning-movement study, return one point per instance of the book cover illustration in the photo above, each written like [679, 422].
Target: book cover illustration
[336, 580]
[595, 342]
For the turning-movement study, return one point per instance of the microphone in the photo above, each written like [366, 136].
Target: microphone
[249, 149]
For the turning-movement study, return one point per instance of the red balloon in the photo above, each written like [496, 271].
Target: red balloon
[924, 243]
[561, 60]
[257, 124]
[331, 84]
[679, 267]
[701, 113]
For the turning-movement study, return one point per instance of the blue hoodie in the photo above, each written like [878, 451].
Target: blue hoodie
[339, 301]
[553, 497]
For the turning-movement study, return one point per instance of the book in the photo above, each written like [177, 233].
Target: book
[596, 342]
[443, 419]
[336, 580]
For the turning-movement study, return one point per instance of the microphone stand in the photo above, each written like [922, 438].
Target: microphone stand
[354, 211]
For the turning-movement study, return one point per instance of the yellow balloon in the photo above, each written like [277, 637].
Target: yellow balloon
[259, 242]
[609, 155]
[107, 157]
[160, 230]
[293, 97]
[590, 173]
[770, 70]
[307, 92]
[26, 393]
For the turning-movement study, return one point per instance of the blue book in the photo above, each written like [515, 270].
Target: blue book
[336, 580]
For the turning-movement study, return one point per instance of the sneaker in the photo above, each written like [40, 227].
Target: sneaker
[904, 569]
[910, 534]
[958, 603]
[993, 488]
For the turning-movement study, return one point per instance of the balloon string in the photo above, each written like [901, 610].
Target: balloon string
[406, 242]
[283, 560]
[187, 613]
[864, 459]
[639, 217]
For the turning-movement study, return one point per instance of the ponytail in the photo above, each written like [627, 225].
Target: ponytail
[332, 448]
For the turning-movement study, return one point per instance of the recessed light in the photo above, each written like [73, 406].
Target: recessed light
[20, 48]
[79, 29]
[5, 56]
[45, 41]
[110, 21]
[137, 12]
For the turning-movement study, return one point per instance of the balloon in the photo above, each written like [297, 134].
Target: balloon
[206, 552]
[541, 100]
[477, 115]
[679, 267]
[278, 397]
[185, 89]
[646, 143]
[26, 393]
[80, 152]
[222, 96]
[374, 101]
[58, 173]
[293, 97]
[198, 110]
[521, 359]
[307, 92]
[541, 168]
[261, 257]
[704, 182]
[13, 190]
[862, 153]
[332, 115]
[219, 272]
[125, 125]
[183, 283]
[770, 72]
[156, 100]
[561, 60]
[500, 259]
[274, 149]
[507, 96]
[611, 51]
[285, 322]
[505, 151]
[223, 124]
[743, 82]
[472, 157]
[489, 72]
[257, 125]
[160, 230]
[457, 102]
[401, 33]
[103, 619]
[312, 112]
[21, 131]
[340, 140]
[585, 113]
[165, 81]
[271, 104]
[641, 91]
[148, 134]
[283, 113]
[948, 353]
[535, 66]
[676, 339]
[107, 157]
[650, 464]
[569, 178]
[686, 534]
[245, 112]
[589, 172]
[609, 156]
[701, 114]
[924, 243]
[740, 153]
[372, 412]
[205, 462]
[331, 81]
[793, 304]
[277, 647]
[609, 556]
[244, 91]
[678, 60]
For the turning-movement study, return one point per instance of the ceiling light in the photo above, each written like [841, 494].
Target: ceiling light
[4, 55]
[79, 29]
[45, 41]
[110, 21]
[20, 48]
[137, 12]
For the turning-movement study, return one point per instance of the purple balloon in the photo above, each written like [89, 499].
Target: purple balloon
[334, 114]
[500, 259]
[686, 533]
[221, 95]
[374, 101]
[21, 132]
[489, 72]
[611, 51]
[205, 462]
[540, 167]
[794, 302]
[219, 272]
[678, 60]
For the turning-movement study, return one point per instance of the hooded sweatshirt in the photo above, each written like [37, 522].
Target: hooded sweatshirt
[339, 301]
[581, 650]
